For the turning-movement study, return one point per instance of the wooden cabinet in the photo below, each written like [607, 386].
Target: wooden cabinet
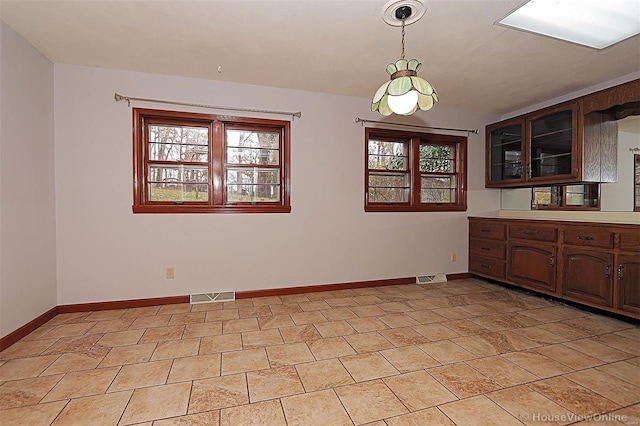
[572, 142]
[532, 253]
[541, 147]
[532, 265]
[487, 249]
[628, 276]
[588, 276]
[627, 273]
[596, 264]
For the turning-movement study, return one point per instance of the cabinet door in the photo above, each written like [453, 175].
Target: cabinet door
[505, 153]
[588, 276]
[552, 144]
[628, 271]
[532, 266]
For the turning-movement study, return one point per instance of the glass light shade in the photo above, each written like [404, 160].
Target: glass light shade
[405, 92]
[403, 104]
[593, 23]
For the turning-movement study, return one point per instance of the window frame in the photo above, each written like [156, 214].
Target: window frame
[217, 162]
[413, 141]
[562, 196]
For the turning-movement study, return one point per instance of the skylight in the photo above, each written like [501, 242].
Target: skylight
[593, 23]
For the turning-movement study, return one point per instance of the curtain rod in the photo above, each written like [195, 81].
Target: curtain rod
[363, 120]
[118, 97]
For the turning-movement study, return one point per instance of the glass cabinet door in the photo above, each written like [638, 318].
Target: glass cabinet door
[551, 145]
[505, 152]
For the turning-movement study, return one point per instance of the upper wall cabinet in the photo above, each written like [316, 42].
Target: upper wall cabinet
[565, 143]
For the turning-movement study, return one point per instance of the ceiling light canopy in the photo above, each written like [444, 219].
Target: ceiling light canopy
[405, 92]
[593, 23]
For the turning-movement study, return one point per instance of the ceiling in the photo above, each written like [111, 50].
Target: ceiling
[338, 47]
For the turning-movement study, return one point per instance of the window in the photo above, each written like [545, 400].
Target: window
[566, 197]
[201, 163]
[408, 171]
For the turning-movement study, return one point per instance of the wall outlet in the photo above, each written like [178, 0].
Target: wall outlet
[170, 273]
[453, 256]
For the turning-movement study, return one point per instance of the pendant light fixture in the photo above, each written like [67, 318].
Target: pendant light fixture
[405, 92]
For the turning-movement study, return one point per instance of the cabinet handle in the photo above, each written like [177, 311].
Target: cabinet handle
[620, 272]
[585, 237]
[486, 266]
[552, 261]
[529, 170]
[485, 248]
[608, 271]
[530, 232]
[485, 230]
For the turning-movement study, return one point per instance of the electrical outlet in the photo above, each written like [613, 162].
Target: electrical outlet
[170, 272]
[453, 256]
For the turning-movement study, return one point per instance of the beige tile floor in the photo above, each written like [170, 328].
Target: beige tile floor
[465, 352]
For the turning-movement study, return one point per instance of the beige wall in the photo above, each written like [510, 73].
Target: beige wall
[27, 203]
[107, 253]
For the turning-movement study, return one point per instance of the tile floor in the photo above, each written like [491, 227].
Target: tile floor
[465, 352]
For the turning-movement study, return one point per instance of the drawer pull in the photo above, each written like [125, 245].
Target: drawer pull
[485, 230]
[486, 266]
[620, 272]
[530, 232]
[585, 237]
[485, 248]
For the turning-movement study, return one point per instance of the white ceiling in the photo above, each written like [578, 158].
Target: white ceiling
[339, 47]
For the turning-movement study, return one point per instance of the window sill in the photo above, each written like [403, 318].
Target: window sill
[180, 209]
[421, 208]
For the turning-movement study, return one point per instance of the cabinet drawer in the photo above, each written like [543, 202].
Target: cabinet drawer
[485, 266]
[629, 239]
[491, 230]
[487, 248]
[533, 232]
[588, 236]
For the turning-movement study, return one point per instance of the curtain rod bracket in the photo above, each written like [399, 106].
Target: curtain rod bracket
[118, 97]
[364, 120]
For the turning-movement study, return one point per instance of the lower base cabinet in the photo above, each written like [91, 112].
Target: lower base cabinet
[596, 264]
[628, 275]
[588, 276]
[532, 266]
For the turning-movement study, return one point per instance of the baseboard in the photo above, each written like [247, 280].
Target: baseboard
[323, 287]
[13, 337]
[122, 304]
[18, 334]
[459, 276]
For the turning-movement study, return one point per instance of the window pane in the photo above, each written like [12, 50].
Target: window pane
[388, 188]
[178, 152]
[546, 196]
[252, 139]
[387, 155]
[388, 195]
[253, 156]
[178, 192]
[253, 193]
[167, 134]
[252, 184]
[436, 158]
[437, 189]
[177, 174]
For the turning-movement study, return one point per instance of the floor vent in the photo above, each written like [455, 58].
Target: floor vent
[431, 278]
[216, 296]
